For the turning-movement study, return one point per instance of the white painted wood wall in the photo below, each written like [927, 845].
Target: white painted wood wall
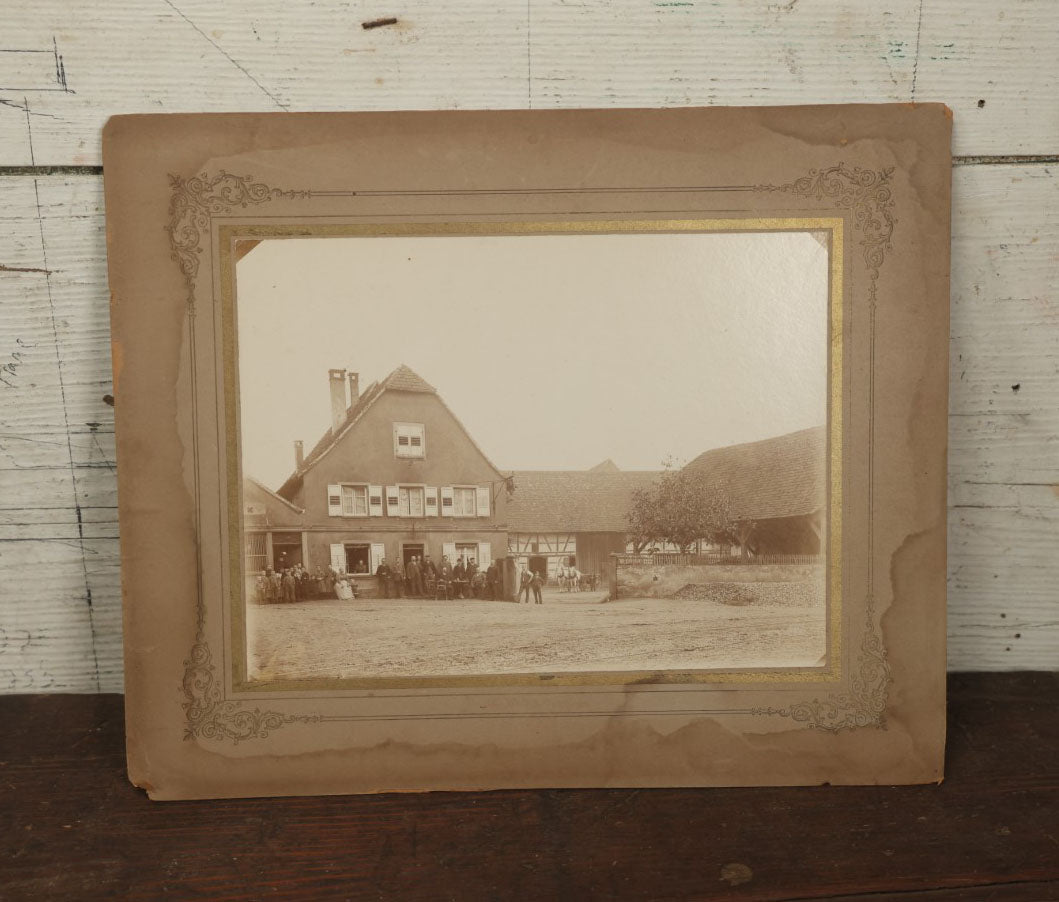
[995, 62]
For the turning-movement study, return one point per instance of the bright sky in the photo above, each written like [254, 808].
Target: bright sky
[556, 351]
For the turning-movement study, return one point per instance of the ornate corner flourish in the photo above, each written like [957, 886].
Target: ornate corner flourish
[195, 201]
[864, 705]
[867, 193]
[210, 716]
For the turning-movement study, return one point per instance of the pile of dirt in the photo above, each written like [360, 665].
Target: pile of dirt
[739, 594]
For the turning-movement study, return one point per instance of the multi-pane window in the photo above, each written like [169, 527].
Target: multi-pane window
[256, 555]
[354, 501]
[468, 551]
[410, 501]
[409, 440]
[463, 502]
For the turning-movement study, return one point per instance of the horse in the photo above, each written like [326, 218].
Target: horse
[569, 579]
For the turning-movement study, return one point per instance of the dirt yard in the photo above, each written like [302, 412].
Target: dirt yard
[569, 632]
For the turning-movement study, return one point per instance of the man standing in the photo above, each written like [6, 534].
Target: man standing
[385, 576]
[397, 573]
[524, 583]
[472, 572]
[415, 578]
[430, 574]
[536, 582]
[459, 578]
[445, 573]
[288, 587]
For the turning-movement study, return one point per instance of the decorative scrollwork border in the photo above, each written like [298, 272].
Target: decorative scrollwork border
[195, 201]
[867, 194]
[193, 204]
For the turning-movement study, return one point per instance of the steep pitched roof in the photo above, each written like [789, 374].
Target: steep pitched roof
[574, 500]
[257, 483]
[401, 379]
[777, 477]
[404, 379]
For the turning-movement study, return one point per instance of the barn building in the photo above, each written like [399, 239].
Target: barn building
[395, 475]
[776, 490]
[578, 517]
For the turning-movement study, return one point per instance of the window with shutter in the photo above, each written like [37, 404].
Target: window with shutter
[485, 555]
[354, 501]
[393, 501]
[410, 501]
[409, 440]
[446, 501]
[463, 501]
[378, 552]
[431, 501]
[338, 557]
[375, 500]
[334, 501]
[482, 493]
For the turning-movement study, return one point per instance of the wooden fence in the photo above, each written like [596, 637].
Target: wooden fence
[714, 559]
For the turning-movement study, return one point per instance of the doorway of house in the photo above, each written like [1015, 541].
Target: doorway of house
[539, 564]
[410, 551]
[286, 550]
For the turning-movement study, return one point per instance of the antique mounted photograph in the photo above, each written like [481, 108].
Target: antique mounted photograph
[571, 451]
[531, 448]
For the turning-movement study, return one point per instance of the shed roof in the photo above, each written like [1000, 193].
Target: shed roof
[574, 500]
[777, 477]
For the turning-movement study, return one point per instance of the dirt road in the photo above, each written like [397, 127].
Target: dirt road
[569, 632]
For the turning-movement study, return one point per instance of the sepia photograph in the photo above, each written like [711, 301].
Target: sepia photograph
[581, 452]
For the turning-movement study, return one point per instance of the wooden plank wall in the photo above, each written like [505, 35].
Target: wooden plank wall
[77, 62]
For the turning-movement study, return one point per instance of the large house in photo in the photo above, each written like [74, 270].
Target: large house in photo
[395, 475]
[776, 490]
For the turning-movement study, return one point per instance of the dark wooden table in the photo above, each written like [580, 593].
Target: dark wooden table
[73, 827]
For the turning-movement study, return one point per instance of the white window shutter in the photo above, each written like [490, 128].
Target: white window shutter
[485, 555]
[448, 549]
[338, 557]
[375, 500]
[431, 493]
[378, 552]
[482, 502]
[334, 501]
[446, 501]
[393, 500]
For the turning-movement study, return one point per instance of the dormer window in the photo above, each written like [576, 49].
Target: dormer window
[409, 440]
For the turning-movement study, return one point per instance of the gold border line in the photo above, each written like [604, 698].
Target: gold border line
[832, 672]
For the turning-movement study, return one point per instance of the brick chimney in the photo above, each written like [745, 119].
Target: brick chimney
[337, 379]
[354, 388]
[299, 455]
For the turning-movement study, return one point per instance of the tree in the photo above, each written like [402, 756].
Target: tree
[681, 508]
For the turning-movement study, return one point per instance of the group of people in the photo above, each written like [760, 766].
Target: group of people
[421, 578]
[293, 584]
[530, 580]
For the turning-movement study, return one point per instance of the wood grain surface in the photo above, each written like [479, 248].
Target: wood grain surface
[66, 66]
[74, 828]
